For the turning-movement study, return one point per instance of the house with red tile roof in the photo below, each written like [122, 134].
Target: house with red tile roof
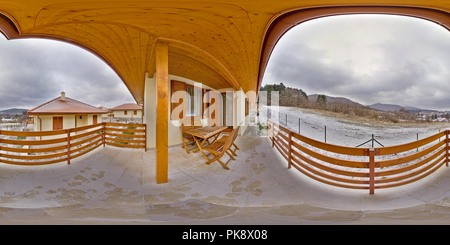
[63, 113]
[128, 112]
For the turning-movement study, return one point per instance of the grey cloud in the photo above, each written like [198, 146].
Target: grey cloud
[387, 59]
[34, 71]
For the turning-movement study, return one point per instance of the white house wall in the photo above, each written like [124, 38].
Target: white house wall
[68, 121]
[150, 110]
[241, 119]
[90, 119]
[130, 114]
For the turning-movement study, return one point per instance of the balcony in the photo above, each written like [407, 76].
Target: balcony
[116, 185]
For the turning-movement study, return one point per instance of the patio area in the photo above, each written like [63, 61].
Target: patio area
[116, 186]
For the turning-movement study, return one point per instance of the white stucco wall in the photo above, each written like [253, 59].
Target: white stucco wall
[241, 119]
[36, 123]
[150, 110]
[90, 119]
[130, 114]
[68, 121]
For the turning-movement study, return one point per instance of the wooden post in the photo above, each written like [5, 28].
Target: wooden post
[289, 150]
[417, 138]
[68, 146]
[325, 133]
[372, 153]
[446, 147]
[162, 110]
[104, 135]
[299, 121]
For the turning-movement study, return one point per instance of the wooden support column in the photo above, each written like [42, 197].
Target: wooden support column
[446, 148]
[162, 112]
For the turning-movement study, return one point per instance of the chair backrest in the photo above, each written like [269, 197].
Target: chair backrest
[184, 128]
[237, 132]
[229, 141]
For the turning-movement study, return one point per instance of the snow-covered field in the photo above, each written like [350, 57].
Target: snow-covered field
[11, 126]
[340, 131]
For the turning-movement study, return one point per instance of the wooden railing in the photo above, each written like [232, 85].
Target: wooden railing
[361, 168]
[47, 147]
[126, 135]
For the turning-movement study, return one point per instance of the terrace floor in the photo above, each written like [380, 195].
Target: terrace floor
[117, 186]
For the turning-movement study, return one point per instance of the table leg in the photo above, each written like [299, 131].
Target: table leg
[199, 145]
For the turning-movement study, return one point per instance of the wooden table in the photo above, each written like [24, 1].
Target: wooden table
[202, 135]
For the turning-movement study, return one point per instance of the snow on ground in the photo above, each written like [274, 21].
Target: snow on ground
[340, 131]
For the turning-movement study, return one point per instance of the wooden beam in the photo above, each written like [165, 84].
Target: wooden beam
[162, 112]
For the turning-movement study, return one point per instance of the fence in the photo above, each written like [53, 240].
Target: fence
[361, 168]
[338, 132]
[48, 147]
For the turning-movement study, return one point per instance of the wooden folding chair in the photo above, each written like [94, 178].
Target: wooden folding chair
[188, 140]
[233, 147]
[219, 148]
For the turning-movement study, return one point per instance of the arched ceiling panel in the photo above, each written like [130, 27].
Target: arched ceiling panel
[221, 43]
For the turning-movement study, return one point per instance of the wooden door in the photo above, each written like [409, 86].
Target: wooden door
[57, 123]
[94, 119]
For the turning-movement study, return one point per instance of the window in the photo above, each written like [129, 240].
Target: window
[193, 101]
[125, 113]
[135, 112]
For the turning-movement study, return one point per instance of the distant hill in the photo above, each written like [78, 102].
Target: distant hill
[392, 107]
[14, 111]
[386, 107]
[340, 100]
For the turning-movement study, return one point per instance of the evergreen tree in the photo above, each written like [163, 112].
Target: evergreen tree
[321, 101]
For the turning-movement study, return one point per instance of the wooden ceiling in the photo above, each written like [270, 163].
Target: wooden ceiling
[223, 44]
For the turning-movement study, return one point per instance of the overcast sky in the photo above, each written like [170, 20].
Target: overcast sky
[367, 58]
[34, 71]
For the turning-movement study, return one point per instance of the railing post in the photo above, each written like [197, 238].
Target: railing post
[104, 135]
[68, 146]
[372, 153]
[417, 139]
[446, 147]
[145, 143]
[289, 150]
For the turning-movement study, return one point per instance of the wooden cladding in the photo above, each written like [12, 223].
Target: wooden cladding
[361, 168]
[26, 148]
